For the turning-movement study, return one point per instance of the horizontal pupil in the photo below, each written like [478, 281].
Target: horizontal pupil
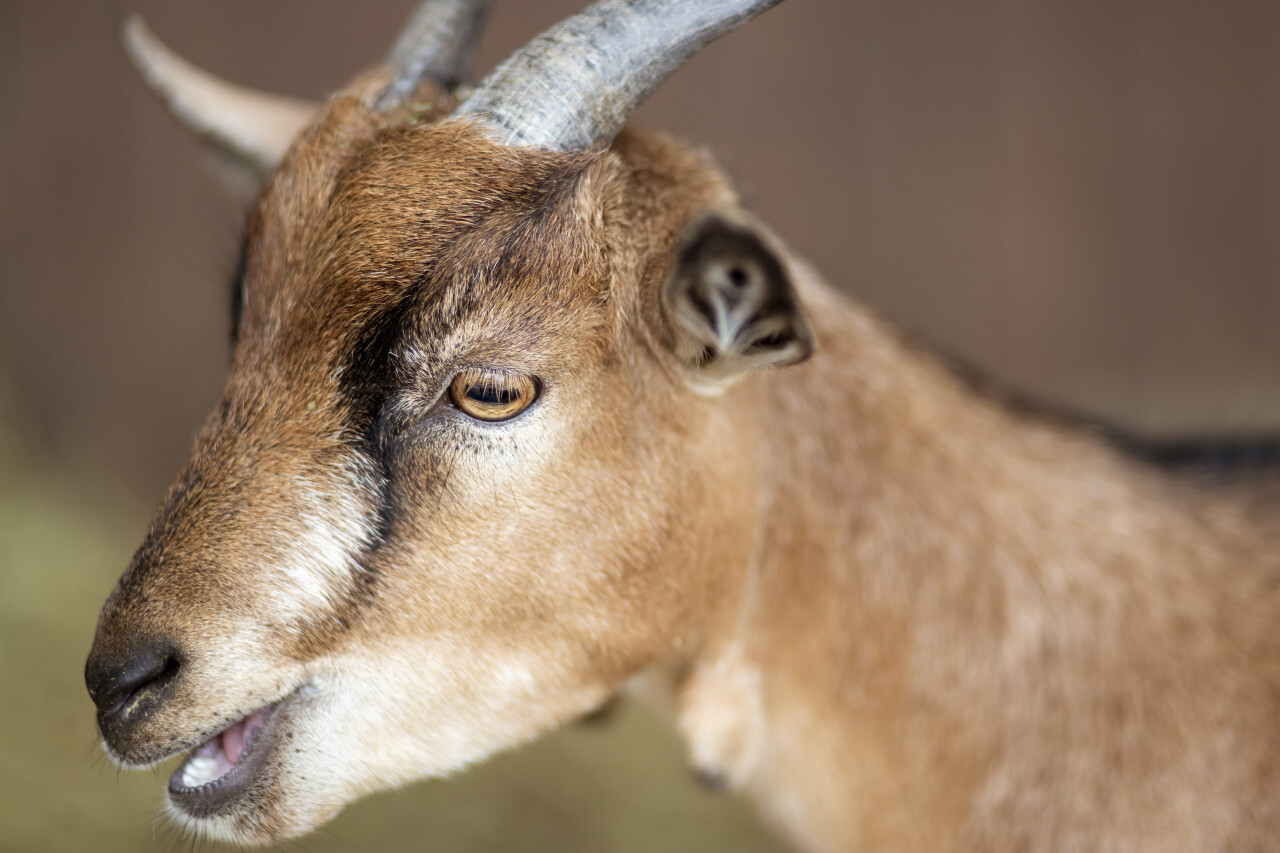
[491, 395]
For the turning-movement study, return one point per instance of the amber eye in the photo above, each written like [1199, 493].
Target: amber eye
[492, 395]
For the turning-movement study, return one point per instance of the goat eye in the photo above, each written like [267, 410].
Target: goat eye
[492, 395]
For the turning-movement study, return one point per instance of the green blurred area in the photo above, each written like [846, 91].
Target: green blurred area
[621, 786]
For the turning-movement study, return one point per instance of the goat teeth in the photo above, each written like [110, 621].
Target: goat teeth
[199, 771]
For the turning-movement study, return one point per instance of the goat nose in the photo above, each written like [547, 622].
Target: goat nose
[114, 679]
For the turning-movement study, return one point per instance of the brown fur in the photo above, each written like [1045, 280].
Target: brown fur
[895, 614]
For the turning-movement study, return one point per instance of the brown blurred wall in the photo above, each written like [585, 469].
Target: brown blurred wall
[1081, 196]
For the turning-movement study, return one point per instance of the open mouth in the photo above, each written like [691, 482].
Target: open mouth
[223, 767]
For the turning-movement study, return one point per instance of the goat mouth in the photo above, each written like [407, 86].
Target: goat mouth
[220, 770]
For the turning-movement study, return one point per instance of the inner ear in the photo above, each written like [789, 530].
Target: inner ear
[730, 300]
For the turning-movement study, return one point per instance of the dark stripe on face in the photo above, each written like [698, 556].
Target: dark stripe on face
[367, 377]
[366, 380]
[238, 294]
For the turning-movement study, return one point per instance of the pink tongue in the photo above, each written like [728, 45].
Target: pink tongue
[237, 735]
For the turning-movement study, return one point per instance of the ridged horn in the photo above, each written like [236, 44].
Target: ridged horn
[254, 127]
[577, 83]
[438, 43]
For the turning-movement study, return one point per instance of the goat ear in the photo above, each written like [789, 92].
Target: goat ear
[730, 300]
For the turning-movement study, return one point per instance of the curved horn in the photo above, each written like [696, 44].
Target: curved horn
[254, 127]
[577, 83]
[438, 43]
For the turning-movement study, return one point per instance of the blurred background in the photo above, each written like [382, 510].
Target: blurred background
[1080, 197]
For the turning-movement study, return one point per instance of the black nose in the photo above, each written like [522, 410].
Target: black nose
[143, 670]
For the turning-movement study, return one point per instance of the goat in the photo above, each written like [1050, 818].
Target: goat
[526, 410]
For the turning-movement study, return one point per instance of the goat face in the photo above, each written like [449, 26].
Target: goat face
[379, 572]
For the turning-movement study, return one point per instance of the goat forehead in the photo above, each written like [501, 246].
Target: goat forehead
[433, 216]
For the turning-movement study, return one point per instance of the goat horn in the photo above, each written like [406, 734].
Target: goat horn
[254, 127]
[438, 43]
[576, 84]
